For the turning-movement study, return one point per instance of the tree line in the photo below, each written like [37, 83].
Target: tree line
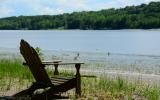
[144, 16]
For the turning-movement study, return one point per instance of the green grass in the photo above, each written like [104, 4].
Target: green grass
[14, 74]
[14, 69]
[118, 89]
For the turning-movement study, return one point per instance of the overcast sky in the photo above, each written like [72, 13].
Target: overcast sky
[52, 7]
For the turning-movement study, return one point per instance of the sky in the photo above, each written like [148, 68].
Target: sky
[53, 7]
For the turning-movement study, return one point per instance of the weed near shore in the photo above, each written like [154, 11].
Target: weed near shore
[15, 76]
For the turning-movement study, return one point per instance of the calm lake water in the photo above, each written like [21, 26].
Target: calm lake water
[142, 42]
[134, 54]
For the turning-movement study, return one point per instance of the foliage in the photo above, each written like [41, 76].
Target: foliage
[40, 53]
[144, 16]
[104, 88]
[14, 68]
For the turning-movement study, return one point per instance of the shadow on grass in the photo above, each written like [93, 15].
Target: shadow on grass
[38, 97]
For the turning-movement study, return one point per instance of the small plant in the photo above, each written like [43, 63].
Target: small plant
[39, 52]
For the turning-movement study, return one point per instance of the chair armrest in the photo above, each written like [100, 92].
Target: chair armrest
[46, 62]
[58, 62]
[61, 63]
[77, 66]
[24, 63]
[52, 61]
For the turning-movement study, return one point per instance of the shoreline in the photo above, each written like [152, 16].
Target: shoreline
[148, 79]
[130, 67]
[48, 52]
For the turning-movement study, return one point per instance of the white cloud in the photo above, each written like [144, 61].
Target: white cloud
[52, 7]
[76, 4]
[119, 4]
[51, 11]
[39, 7]
[44, 10]
[151, 0]
[4, 11]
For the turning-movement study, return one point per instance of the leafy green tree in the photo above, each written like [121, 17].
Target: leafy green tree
[144, 16]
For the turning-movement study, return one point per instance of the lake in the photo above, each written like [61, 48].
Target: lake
[131, 51]
[141, 42]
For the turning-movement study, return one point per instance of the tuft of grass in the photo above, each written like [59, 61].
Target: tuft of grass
[13, 69]
[14, 75]
[152, 93]
[118, 89]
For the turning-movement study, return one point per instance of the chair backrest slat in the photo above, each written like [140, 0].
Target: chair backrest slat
[33, 61]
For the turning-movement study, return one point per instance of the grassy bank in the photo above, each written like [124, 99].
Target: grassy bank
[15, 77]
[104, 88]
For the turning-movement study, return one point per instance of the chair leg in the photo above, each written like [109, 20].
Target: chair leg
[78, 81]
[78, 87]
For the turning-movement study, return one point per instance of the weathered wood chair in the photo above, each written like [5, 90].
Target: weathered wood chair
[53, 85]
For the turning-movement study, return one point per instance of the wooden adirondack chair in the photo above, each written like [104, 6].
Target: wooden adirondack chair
[53, 85]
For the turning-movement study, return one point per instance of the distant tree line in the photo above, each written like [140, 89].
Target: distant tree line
[144, 16]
